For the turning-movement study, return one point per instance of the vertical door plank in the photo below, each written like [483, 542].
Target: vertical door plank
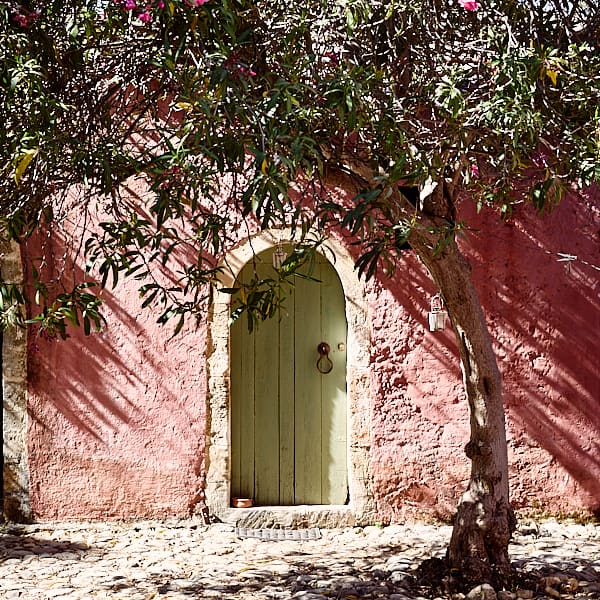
[308, 392]
[286, 402]
[246, 412]
[245, 388]
[333, 389]
[266, 395]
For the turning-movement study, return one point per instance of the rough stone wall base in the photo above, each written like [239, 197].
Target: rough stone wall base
[14, 411]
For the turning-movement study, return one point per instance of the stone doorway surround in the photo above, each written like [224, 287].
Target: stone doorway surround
[360, 509]
[14, 410]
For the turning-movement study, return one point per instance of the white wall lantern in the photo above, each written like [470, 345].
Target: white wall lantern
[279, 256]
[437, 314]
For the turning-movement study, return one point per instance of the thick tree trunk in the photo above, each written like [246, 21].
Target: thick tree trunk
[484, 520]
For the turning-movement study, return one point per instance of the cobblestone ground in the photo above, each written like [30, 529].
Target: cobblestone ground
[188, 560]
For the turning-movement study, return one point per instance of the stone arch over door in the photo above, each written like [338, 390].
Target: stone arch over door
[15, 477]
[360, 508]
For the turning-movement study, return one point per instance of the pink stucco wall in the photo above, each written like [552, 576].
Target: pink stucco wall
[118, 420]
[545, 322]
[545, 317]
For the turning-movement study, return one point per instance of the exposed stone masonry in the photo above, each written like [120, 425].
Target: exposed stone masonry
[14, 393]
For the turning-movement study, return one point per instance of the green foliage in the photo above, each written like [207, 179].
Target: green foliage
[11, 305]
[263, 298]
[237, 116]
[78, 308]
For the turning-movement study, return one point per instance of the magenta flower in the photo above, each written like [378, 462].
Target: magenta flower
[246, 71]
[130, 4]
[469, 4]
[145, 17]
[333, 58]
[160, 4]
[22, 20]
[25, 18]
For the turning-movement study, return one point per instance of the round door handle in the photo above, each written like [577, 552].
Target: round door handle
[323, 349]
[324, 364]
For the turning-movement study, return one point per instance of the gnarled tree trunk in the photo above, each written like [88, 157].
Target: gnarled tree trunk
[484, 520]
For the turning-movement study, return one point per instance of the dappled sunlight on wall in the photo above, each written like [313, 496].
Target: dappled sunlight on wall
[420, 415]
[116, 418]
[544, 318]
[544, 313]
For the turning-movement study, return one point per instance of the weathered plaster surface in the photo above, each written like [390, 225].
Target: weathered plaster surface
[420, 420]
[118, 421]
[545, 315]
[544, 318]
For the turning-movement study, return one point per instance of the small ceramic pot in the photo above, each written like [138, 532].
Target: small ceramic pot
[241, 502]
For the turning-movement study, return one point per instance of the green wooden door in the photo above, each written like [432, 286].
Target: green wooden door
[288, 420]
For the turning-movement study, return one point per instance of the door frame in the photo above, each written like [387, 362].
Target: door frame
[361, 507]
[288, 423]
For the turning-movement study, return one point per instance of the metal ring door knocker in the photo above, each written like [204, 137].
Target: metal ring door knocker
[324, 364]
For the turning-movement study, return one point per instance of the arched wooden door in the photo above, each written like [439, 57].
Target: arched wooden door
[288, 420]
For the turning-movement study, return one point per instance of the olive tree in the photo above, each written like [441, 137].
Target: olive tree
[369, 117]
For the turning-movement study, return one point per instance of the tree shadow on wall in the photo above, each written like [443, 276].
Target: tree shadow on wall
[545, 315]
[544, 318]
[115, 412]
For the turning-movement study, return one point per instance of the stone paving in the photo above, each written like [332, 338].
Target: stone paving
[185, 559]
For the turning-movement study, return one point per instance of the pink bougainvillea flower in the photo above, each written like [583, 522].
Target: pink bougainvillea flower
[130, 4]
[22, 20]
[25, 18]
[246, 71]
[469, 4]
[333, 58]
[160, 4]
[145, 17]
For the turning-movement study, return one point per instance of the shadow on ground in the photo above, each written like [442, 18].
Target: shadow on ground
[311, 577]
[15, 543]
[548, 566]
